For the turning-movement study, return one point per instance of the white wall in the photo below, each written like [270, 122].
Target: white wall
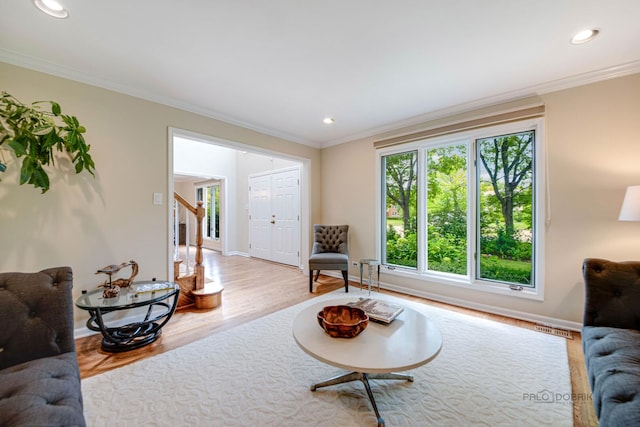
[198, 158]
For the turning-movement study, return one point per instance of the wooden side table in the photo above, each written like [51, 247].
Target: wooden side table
[370, 263]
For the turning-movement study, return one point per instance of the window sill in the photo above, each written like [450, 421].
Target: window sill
[477, 285]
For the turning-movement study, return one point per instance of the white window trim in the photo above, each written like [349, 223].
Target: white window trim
[204, 185]
[469, 282]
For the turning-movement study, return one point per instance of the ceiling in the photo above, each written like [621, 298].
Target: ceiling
[281, 66]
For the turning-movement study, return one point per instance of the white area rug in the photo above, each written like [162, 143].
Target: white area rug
[487, 374]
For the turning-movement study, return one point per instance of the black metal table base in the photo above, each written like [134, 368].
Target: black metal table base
[134, 335]
[364, 377]
[130, 337]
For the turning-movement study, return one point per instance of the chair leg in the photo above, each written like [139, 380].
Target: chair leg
[345, 274]
[317, 275]
[310, 281]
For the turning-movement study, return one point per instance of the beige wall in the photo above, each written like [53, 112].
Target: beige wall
[593, 140]
[88, 223]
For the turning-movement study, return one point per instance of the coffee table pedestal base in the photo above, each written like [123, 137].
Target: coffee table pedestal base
[364, 377]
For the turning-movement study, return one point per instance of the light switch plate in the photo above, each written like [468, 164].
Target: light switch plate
[157, 198]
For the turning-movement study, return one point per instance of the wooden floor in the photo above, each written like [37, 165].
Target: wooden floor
[254, 288]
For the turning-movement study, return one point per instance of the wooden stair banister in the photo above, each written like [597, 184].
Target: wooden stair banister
[198, 211]
[199, 265]
[186, 204]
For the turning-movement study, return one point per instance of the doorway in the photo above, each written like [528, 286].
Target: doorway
[246, 161]
[274, 216]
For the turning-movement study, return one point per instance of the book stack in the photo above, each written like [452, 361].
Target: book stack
[377, 310]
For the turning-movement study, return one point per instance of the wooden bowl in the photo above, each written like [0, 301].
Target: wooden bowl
[343, 321]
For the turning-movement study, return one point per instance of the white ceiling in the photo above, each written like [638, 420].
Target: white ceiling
[281, 66]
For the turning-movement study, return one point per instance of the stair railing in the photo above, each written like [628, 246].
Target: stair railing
[198, 212]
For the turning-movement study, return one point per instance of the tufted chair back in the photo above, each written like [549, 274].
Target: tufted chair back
[330, 238]
[36, 315]
[612, 293]
[330, 252]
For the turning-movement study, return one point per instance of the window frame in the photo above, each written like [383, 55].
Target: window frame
[383, 210]
[539, 210]
[205, 189]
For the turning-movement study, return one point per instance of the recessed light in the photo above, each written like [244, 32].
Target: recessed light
[584, 36]
[328, 120]
[52, 8]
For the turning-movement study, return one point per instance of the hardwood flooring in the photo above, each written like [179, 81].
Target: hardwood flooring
[254, 288]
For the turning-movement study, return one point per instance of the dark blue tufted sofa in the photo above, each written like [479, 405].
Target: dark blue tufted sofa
[611, 339]
[39, 375]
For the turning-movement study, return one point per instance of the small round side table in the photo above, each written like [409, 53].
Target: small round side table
[370, 263]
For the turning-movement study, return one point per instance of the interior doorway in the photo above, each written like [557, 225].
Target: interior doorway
[235, 163]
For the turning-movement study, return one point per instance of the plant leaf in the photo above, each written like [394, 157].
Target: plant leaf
[33, 134]
[19, 149]
[44, 130]
[26, 170]
[40, 179]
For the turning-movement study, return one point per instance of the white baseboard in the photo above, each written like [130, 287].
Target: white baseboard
[237, 253]
[83, 332]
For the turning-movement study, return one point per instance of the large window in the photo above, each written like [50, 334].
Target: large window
[210, 195]
[463, 209]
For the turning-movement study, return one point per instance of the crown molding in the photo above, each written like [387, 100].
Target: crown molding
[35, 64]
[547, 87]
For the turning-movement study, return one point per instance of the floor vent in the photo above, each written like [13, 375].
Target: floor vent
[554, 331]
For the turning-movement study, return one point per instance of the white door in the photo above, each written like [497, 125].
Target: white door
[285, 202]
[260, 217]
[274, 216]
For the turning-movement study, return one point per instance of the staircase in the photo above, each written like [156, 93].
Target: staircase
[193, 290]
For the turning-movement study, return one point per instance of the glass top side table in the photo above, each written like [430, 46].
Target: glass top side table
[370, 263]
[160, 299]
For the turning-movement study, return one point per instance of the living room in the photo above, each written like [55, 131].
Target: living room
[591, 149]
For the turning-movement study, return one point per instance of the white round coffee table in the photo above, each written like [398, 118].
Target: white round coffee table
[408, 342]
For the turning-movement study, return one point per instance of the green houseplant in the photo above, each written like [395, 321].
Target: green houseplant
[33, 134]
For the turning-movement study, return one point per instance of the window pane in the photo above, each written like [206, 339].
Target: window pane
[216, 211]
[447, 209]
[207, 226]
[400, 178]
[505, 202]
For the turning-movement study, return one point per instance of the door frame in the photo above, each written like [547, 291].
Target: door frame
[305, 189]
